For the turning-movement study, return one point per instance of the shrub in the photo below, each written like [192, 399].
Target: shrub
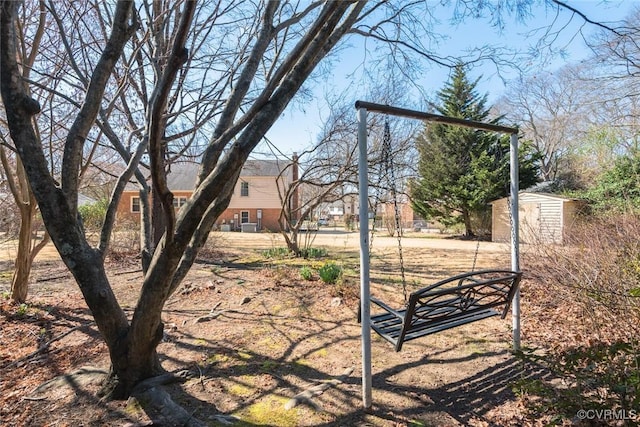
[313, 252]
[617, 189]
[591, 318]
[598, 270]
[330, 272]
[306, 272]
[93, 214]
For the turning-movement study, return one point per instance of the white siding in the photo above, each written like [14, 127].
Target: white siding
[543, 218]
[500, 223]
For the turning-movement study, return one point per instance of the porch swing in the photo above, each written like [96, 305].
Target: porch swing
[451, 302]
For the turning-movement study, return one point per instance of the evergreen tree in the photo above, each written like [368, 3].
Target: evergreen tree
[461, 169]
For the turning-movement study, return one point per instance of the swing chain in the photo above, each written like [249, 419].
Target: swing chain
[475, 255]
[387, 161]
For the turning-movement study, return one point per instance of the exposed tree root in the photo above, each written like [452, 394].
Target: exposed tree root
[162, 410]
[160, 407]
[149, 395]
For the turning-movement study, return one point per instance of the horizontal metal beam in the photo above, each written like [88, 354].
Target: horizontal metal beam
[403, 112]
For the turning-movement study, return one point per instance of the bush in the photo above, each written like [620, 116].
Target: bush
[93, 214]
[589, 314]
[330, 272]
[313, 252]
[599, 270]
[617, 189]
[306, 272]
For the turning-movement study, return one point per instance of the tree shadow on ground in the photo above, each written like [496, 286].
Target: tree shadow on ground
[463, 401]
[255, 385]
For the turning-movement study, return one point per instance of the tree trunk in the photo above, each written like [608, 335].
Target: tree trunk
[468, 228]
[129, 365]
[20, 281]
[27, 250]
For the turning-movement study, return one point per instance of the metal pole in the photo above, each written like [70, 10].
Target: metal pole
[363, 211]
[515, 236]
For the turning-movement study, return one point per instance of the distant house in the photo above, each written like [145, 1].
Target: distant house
[254, 206]
[402, 209]
[543, 217]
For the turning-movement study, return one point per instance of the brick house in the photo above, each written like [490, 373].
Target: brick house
[254, 206]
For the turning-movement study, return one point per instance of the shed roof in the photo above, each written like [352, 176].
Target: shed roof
[551, 196]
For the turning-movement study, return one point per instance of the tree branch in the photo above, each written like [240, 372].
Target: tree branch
[120, 34]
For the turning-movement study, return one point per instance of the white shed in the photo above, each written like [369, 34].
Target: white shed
[544, 218]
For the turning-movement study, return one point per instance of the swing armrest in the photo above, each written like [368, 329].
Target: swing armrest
[388, 309]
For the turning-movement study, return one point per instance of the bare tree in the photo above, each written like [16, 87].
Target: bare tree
[581, 116]
[29, 244]
[614, 79]
[286, 46]
[327, 173]
[552, 111]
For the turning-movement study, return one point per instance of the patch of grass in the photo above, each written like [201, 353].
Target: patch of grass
[217, 359]
[321, 352]
[314, 252]
[269, 366]
[268, 343]
[351, 272]
[276, 253]
[133, 408]
[301, 365]
[243, 355]
[276, 309]
[22, 310]
[241, 389]
[269, 411]
[216, 269]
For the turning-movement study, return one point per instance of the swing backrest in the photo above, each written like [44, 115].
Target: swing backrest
[452, 302]
[465, 293]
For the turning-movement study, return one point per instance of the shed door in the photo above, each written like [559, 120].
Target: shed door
[529, 222]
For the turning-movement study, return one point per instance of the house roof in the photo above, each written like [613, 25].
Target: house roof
[182, 175]
[83, 199]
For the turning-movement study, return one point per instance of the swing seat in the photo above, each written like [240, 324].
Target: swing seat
[452, 302]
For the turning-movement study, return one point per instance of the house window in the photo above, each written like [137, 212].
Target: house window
[244, 189]
[135, 204]
[178, 202]
[244, 217]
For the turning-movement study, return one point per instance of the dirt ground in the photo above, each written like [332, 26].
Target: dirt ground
[254, 334]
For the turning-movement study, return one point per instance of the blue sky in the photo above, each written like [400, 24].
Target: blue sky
[300, 125]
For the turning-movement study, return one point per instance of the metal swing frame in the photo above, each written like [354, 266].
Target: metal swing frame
[363, 108]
